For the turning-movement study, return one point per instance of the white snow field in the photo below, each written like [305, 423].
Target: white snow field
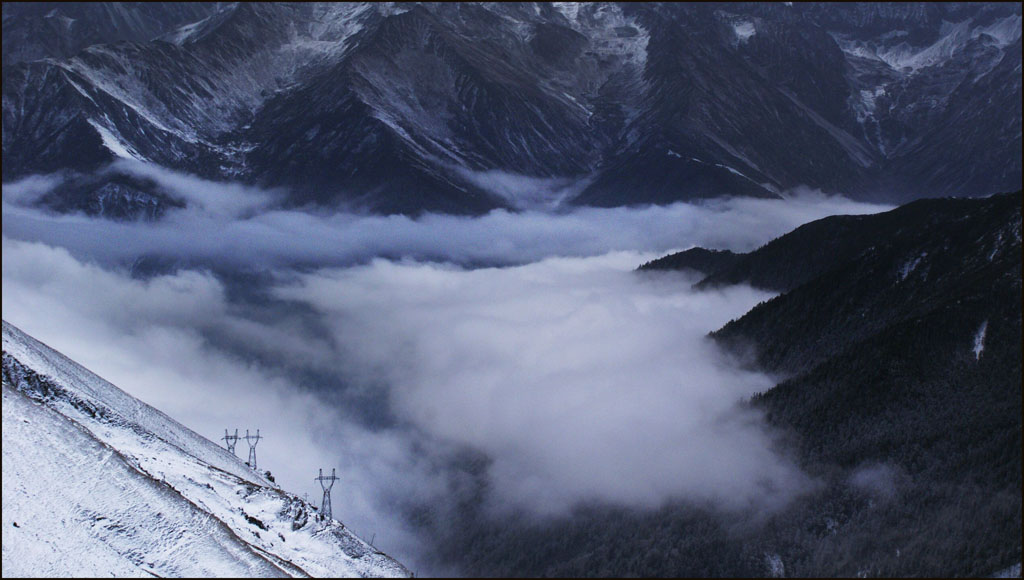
[97, 483]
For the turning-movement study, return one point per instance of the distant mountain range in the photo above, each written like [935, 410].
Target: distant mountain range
[467, 107]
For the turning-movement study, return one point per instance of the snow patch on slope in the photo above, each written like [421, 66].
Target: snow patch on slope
[776, 569]
[864, 107]
[910, 265]
[1011, 572]
[904, 56]
[225, 85]
[1004, 31]
[114, 144]
[743, 29]
[979, 340]
[100, 483]
[568, 9]
[613, 35]
[953, 38]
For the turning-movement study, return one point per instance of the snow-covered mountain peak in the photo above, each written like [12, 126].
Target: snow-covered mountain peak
[903, 56]
[389, 107]
[96, 482]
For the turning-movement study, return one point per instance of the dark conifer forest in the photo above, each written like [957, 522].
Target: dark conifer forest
[897, 340]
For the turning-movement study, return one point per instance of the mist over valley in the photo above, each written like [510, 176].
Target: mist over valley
[557, 289]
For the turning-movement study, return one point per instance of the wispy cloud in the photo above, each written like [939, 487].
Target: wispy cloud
[230, 224]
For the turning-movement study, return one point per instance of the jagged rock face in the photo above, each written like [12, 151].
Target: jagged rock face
[35, 30]
[467, 107]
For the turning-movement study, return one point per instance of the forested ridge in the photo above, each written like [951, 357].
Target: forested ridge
[898, 337]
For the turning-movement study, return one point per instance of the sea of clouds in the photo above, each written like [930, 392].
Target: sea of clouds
[386, 345]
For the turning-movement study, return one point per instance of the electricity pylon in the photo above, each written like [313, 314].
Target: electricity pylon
[252, 440]
[326, 483]
[231, 440]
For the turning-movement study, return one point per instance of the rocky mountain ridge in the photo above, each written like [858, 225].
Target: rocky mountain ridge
[467, 107]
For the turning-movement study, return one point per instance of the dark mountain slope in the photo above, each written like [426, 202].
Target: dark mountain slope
[908, 356]
[464, 107]
[34, 30]
[848, 278]
[722, 114]
[699, 259]
[933, 159]
[901, 337]
[817, 247]
[391, 127]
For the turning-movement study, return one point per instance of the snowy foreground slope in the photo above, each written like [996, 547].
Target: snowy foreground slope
[97, 483]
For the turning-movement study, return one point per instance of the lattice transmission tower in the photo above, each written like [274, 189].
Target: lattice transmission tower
[231, 440]
[252, 440]
[326, 483]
